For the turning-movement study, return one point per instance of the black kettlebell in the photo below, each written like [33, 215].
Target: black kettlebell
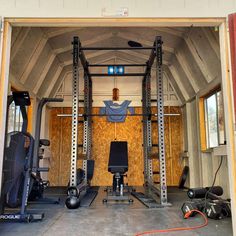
[72, 202]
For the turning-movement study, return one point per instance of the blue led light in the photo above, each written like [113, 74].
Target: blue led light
[116, 70]
[120, 70]
[111, 70]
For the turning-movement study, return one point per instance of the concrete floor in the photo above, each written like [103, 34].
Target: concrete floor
[114, 220]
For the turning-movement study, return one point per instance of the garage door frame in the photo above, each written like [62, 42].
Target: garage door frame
[129, 22]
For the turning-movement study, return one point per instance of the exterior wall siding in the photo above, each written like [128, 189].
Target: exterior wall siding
[99, 8]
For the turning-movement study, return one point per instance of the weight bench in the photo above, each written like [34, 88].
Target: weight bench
[118, 166]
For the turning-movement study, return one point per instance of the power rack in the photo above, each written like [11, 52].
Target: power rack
[152, 189]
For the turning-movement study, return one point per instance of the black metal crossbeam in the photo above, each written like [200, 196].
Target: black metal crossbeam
[112, 75]
[114, 48]
[125, 65]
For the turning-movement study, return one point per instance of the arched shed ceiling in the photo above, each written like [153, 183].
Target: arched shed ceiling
[40, 57]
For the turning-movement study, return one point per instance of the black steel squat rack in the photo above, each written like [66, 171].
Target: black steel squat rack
[159, 189]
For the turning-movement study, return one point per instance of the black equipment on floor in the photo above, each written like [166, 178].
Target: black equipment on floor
[17, 166]
[188, 206]
[118, 166]
[208, 200]
[81, 172]
[218, 209]
[201, 192]
[183, 177]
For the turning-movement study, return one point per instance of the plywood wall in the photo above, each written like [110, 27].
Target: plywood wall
[103, 133]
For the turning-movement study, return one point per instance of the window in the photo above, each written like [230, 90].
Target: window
[214, 119]
[15, 119]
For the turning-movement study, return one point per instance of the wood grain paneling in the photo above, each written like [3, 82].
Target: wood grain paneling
[103, 133]
[202, 124]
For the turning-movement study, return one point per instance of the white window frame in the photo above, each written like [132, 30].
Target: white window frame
[217, 118]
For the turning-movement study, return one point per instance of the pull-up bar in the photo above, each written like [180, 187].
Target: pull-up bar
[124, 75]
[106, 65]
[114, 48]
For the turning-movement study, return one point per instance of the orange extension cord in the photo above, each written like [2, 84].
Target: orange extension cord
[181, 228]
